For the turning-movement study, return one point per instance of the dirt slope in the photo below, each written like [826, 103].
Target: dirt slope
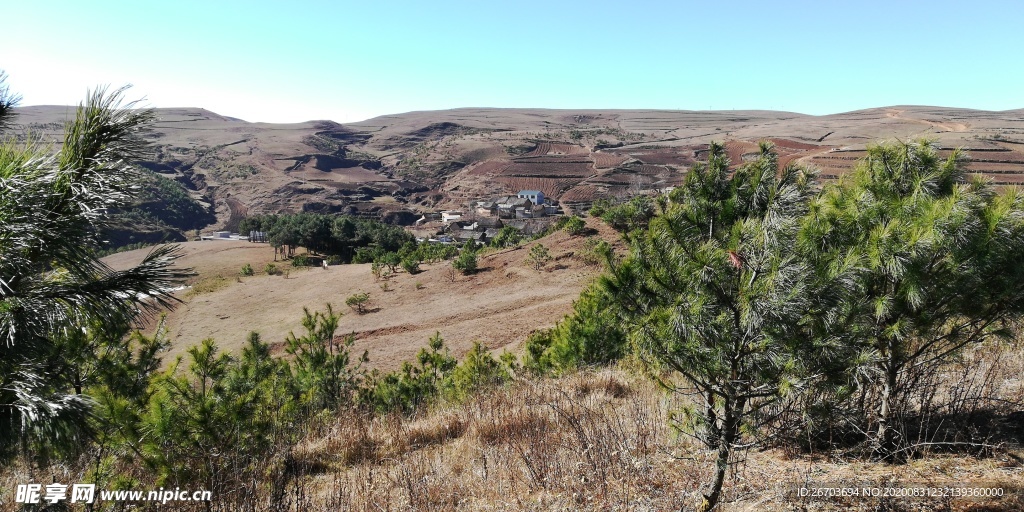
[499, 306]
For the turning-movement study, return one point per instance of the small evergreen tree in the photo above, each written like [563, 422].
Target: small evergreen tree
[575, 226]
[507, 236]
[466, 262]
[713, 291]
[915, 262]
[358, 301]
[538, 257]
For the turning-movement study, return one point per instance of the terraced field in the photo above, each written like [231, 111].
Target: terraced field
[423, 161]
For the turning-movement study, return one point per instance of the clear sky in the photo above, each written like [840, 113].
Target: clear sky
[348, 61]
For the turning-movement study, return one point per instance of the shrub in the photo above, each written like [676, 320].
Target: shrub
[411, 265]
[380, 271]
[301, 260]
[247, 270]
[466, 262]
[628, 216]
[594, 251]
[406, 389]
[575, 226]
[536, 356]
[477, 371]
[507, 236]
[272, 270]
[358, 302]
[538, 257]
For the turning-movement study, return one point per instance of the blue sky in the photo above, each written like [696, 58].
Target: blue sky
[348, 61]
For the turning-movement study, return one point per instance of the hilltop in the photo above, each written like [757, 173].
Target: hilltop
[396, 167]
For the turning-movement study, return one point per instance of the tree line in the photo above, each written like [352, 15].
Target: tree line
[346, 238]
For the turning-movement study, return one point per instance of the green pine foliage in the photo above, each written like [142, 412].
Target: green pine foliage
[590, 336]
[538, 257]
[575, 226]
[414, 385]
[714, 291]
[358, 302]
[628, 216]
[436, 376]
[52, 286]
[915, 262]
[478, 370]
[466, 262]
[324, 370]
[349, 238]
[507, 236]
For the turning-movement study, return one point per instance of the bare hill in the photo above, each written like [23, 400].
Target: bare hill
[397, 166]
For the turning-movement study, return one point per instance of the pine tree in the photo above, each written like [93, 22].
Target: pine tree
[915, 262]
[713, 291]
[51, 283]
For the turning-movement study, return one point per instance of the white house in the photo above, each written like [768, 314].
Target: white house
[535, 196]
[449, 216]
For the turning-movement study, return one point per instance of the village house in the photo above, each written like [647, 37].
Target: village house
[535, 196]
[449, 216]
[508, 208]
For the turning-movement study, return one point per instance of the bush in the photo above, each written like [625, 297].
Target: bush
[411, 265]
[594, 251]
[628, 216]
[247, 270]
[575, 226]
[380, 271]
[507, 236]
[538, 257]
[301, 260]
[600, 207]
[536, 356]
[358, 302]
[590, 336]
[407, 389]
[272, 270]
[466, 262]
[477, 371]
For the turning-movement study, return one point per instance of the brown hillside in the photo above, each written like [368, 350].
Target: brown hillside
[499, 306]
[422, 161]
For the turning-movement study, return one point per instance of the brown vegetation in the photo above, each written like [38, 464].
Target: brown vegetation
[498, 306]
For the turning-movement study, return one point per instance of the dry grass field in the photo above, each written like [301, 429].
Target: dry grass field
[498, 306]
[601, 441]
[592, 440]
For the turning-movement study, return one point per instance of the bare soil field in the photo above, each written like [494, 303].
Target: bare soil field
[498, 306]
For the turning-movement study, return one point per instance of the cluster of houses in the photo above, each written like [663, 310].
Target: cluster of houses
[524, 211]
[527, 204]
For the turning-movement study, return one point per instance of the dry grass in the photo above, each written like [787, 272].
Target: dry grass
[597, 440]
[208, 284]
[600, 440]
